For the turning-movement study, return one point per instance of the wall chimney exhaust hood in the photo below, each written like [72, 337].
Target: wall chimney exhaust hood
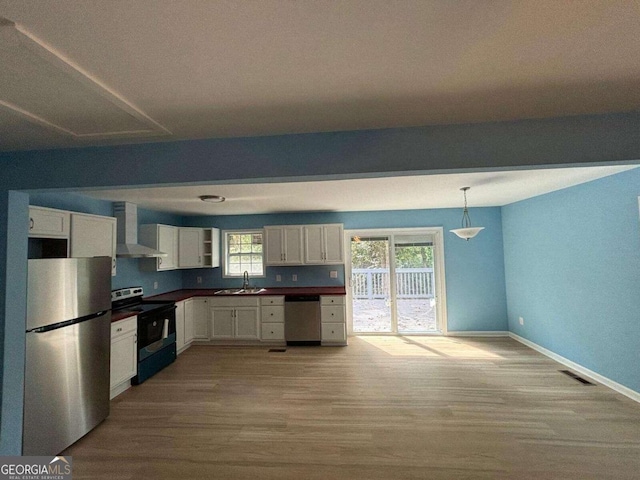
[128, 247]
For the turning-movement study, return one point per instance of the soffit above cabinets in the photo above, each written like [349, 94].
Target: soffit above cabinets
[47, 94]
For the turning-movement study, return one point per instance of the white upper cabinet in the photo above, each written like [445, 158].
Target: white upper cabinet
[186, 247]
[334, 243]
[323, 244]
[49, 223]
[314, 244]
[273, 245]
[190, 247]
[163, 238]
[93, 236]
[283, 245]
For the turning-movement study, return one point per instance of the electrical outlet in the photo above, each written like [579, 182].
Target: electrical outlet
[333, 274]
[294, 278]
[155, 285]
[199, 279]
[521, 320]
[278, 278]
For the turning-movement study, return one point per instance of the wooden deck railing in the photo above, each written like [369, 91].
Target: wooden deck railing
[372, 283]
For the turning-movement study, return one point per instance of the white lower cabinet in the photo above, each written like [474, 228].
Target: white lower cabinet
[334, 333]
[179, 327]
[184, 325]
[124, 354]
[272, 318]
[273, 332]
[222, 319]
[332, 318]
[200, 316]
[235, 318]
[189, 332]
[251, 318]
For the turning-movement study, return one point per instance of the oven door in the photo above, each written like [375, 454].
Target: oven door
[156, 330]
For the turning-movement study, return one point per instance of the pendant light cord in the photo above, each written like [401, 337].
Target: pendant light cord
[466, 221]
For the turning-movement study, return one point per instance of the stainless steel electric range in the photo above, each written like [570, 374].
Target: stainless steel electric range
[156, 330]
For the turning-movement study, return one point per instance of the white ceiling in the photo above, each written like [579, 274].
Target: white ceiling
[215, 68]
[391, 193]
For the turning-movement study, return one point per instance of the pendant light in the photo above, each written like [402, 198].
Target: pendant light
[467, 231]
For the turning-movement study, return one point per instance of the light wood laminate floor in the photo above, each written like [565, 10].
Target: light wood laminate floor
[382, 408]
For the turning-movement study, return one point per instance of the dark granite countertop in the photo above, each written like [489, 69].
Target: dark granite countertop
[179, 295]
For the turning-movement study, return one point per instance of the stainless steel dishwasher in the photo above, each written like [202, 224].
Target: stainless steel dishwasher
[302, 319]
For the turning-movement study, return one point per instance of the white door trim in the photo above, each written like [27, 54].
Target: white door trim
[438, 244]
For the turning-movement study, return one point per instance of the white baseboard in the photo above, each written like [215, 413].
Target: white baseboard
[118, 389]
[626, 391]
[477, 333]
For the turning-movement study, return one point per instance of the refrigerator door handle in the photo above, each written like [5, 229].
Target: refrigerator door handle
[48, 328]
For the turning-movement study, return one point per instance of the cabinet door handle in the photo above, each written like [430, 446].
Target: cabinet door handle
[272, 314]
[159, 260]
[31, 223]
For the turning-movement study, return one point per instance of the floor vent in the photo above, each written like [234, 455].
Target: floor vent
[277, 350]
[577, 378]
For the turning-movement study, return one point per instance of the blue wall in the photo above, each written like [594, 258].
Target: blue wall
[128, 271]
[572, 263]
[474, 270]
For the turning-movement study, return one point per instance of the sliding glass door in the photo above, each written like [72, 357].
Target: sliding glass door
[370, 285]
[393, 285]
[414, 286]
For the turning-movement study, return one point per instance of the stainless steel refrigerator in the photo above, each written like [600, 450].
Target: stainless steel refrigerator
[67, 351]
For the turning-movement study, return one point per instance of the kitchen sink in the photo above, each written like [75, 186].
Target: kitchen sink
[249, 291]
[228, 291]
[239, 291]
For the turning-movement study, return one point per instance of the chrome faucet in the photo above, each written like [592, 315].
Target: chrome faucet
[245, 280]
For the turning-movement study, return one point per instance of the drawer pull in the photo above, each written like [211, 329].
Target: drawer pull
[272, 314]
[118, 329]
[333, 314]
[332, 331]
[31, 224]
